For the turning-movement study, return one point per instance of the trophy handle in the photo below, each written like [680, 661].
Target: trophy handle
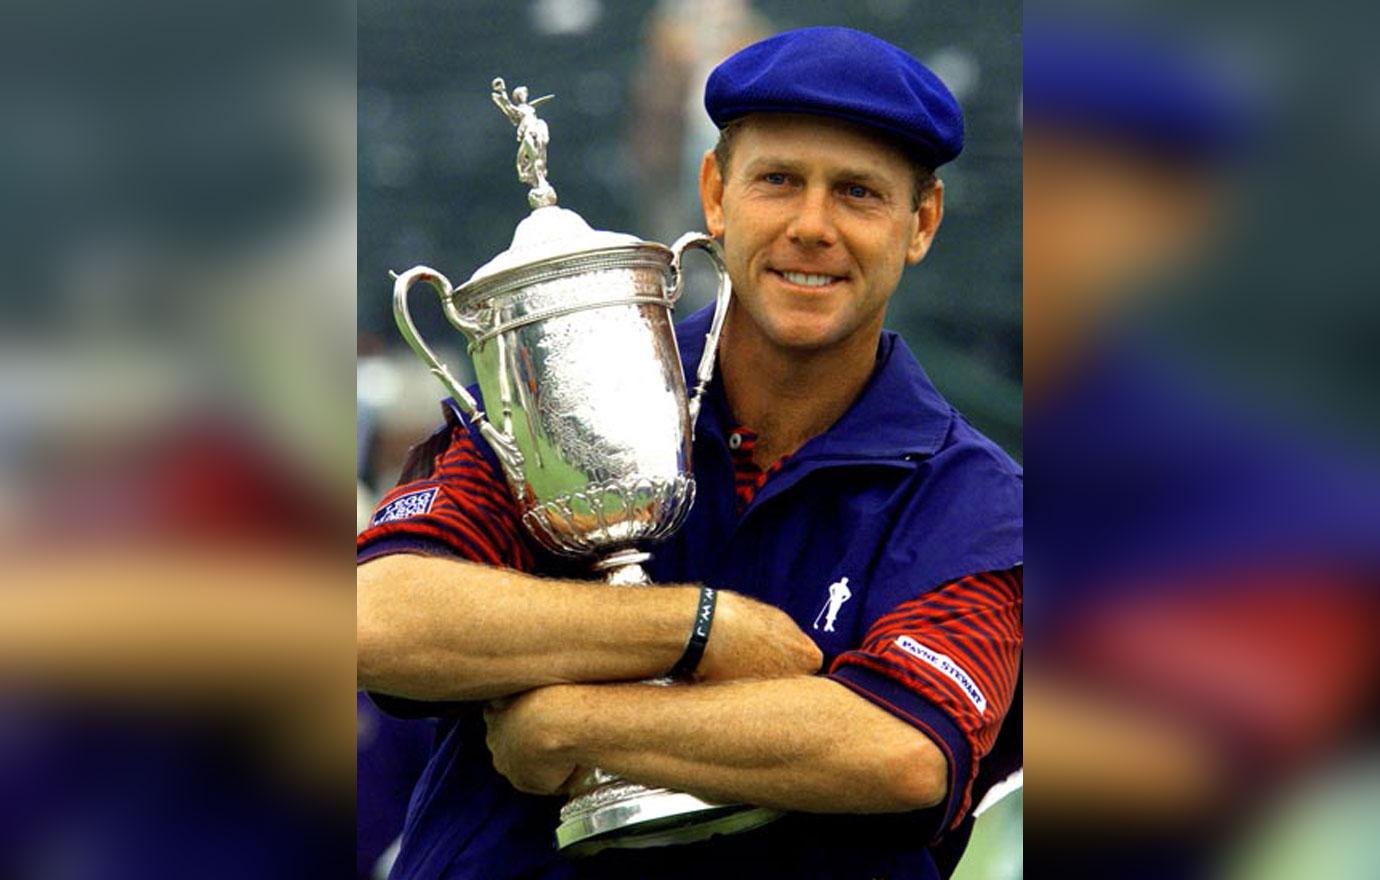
[705, 371]
[504, 447]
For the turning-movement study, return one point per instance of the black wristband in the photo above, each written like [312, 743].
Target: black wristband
[699, 635]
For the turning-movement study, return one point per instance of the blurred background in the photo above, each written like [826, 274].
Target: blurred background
[628, 128]
[1201, 328]
[177, 230]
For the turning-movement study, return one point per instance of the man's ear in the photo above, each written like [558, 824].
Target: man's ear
[928, 217]
[712, 194]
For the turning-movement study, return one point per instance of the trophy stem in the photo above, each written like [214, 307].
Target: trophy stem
[624, 568]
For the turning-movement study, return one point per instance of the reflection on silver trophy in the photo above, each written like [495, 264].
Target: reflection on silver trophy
[570, 334]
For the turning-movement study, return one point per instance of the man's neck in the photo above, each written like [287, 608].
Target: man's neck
[786, 396]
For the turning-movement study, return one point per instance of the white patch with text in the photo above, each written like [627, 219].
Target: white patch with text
[404, 506]
[947, 666]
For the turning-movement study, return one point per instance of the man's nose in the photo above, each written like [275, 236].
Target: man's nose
[813, 224]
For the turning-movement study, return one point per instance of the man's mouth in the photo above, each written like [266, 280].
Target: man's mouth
[808, 279]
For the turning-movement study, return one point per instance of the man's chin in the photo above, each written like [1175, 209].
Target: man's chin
[805, 336]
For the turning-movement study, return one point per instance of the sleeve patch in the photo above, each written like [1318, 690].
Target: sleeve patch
[405, 506]
[947, 666]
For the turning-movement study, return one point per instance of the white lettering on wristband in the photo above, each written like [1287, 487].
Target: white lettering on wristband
[947, 666]
[705, 615]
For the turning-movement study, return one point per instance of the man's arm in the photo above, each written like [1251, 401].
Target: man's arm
[943, 666]
[802, 743]
[433, 628]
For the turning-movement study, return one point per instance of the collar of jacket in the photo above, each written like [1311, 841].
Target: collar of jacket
[898, 416]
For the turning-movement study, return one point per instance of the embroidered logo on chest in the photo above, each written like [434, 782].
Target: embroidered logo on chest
[947, 666]
[404, 506]
[838, 594]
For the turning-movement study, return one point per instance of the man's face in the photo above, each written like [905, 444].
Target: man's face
[818, 220]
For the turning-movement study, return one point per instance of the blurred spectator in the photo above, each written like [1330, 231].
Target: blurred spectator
[668, 130]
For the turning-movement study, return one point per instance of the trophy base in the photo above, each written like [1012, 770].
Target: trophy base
[654, 817]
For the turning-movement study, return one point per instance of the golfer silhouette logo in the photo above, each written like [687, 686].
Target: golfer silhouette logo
[838, 594]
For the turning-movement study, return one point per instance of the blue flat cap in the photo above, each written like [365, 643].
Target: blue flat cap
[846, 74]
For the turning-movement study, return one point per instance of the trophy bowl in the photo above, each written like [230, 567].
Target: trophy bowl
[578, 368]
[580, 353]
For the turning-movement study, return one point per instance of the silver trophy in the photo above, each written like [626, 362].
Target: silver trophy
[570, 334]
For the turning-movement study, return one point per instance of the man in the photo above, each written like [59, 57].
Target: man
[822, 452]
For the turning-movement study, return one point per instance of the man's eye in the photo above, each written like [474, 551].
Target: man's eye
[857, 191]
[775, 178]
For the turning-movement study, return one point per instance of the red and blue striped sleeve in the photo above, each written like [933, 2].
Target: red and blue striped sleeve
[462, 507]
[946, 662]
[457, 505]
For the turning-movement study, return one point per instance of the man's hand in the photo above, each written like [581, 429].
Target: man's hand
[529, 734]
[525, 741]
[750, 639]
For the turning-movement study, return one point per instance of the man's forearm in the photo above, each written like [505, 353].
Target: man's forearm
[441, 629]
[804, 743]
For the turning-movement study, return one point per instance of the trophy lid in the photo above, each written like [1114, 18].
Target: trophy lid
[549, 232]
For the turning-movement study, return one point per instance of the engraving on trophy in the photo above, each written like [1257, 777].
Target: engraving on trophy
[532, 136]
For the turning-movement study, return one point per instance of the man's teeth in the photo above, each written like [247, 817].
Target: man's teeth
[808, 280]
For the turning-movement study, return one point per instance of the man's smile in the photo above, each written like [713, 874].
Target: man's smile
[810, 280]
